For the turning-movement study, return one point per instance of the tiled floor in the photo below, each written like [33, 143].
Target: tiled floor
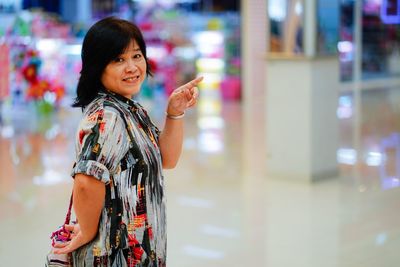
[222, 210]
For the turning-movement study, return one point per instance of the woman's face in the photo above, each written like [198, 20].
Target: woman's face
[126, 73]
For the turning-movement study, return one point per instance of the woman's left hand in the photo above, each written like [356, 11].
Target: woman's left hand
[183, 97]
[77, 240]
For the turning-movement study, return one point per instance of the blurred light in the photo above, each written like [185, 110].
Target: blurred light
[345, 47]
[195, 202]
[50, 97]
[210, 78]
[390, 18]
[209, 43]
[7, 131]
[53, 132]
[346, 156]
[187, 53]
[164, 3]
[277, 9]
[208, 38]
[345, 101]
[210, 142]
[51, 160]
[203, 253]
[381, 239]
[362, 188]
[209, 106]
[210, 65]
[26, 40]
[48, 46]
[14, 155]
[49, 177]
[298, 8]
[344, 112]
[207, 50]
[390, 182]
[395, 181]
[219, 231]
[210, 122]
[156, 52]
[374, 159]
[74, 49]
[345, 109]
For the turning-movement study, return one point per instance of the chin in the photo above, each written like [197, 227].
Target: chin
[133, 92]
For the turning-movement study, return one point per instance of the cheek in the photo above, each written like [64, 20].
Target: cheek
[109, 75]
[108, 79]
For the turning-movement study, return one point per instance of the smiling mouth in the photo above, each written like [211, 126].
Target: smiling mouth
[131, 79]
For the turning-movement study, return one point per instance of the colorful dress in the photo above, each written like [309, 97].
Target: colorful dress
[118, 144]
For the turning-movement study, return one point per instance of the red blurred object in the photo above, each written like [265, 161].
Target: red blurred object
[153, 65]
[30, 73]
[4, 71]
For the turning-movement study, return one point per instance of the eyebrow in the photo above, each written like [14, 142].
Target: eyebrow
[128, 50]
[134, 49]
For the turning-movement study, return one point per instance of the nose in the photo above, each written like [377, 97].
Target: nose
[130, 66]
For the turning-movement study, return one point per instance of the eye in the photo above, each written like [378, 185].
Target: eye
[137, 56]
[118, 60]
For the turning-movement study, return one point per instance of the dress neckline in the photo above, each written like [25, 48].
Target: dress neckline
[130, 102]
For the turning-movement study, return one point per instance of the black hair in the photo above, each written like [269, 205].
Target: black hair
[104, 42]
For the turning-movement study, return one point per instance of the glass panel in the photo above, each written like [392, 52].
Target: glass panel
[328, 26]
[381, 38]
[286, 26]
[346, 42]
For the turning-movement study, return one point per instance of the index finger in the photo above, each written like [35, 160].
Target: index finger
[195, 81]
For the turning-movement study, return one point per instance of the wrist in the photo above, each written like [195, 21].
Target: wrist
[173, 116]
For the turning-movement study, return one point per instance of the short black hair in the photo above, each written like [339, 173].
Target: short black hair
[104, 42]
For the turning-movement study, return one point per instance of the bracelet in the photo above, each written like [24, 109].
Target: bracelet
[175, 117]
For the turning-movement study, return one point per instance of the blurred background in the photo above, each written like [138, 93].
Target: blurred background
[291, 157]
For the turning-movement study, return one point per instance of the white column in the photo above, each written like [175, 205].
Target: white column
[302, 127]
[310, 27]
[254, 47]
[302, 134]
[357, 85]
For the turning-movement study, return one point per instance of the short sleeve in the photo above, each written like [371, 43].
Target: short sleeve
[101, 143]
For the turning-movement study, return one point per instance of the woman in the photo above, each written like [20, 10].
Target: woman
[118, 192]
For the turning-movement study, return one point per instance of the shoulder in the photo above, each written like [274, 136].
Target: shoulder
[102, 110]
[102, 105]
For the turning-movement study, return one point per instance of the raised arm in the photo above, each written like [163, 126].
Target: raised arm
[171, 138]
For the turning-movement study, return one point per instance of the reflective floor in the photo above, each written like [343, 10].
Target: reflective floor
[222, 210]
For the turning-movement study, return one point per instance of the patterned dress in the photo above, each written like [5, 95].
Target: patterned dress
[118, 144]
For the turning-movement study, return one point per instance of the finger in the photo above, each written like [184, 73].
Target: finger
[61, 244]
[64, 250]
[195, 92]
[192, 103]
[69, 227]
[194, 97]
[188, 94]
[194, 82]
[71, 246]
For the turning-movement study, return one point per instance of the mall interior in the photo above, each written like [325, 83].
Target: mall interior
[290, 158]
